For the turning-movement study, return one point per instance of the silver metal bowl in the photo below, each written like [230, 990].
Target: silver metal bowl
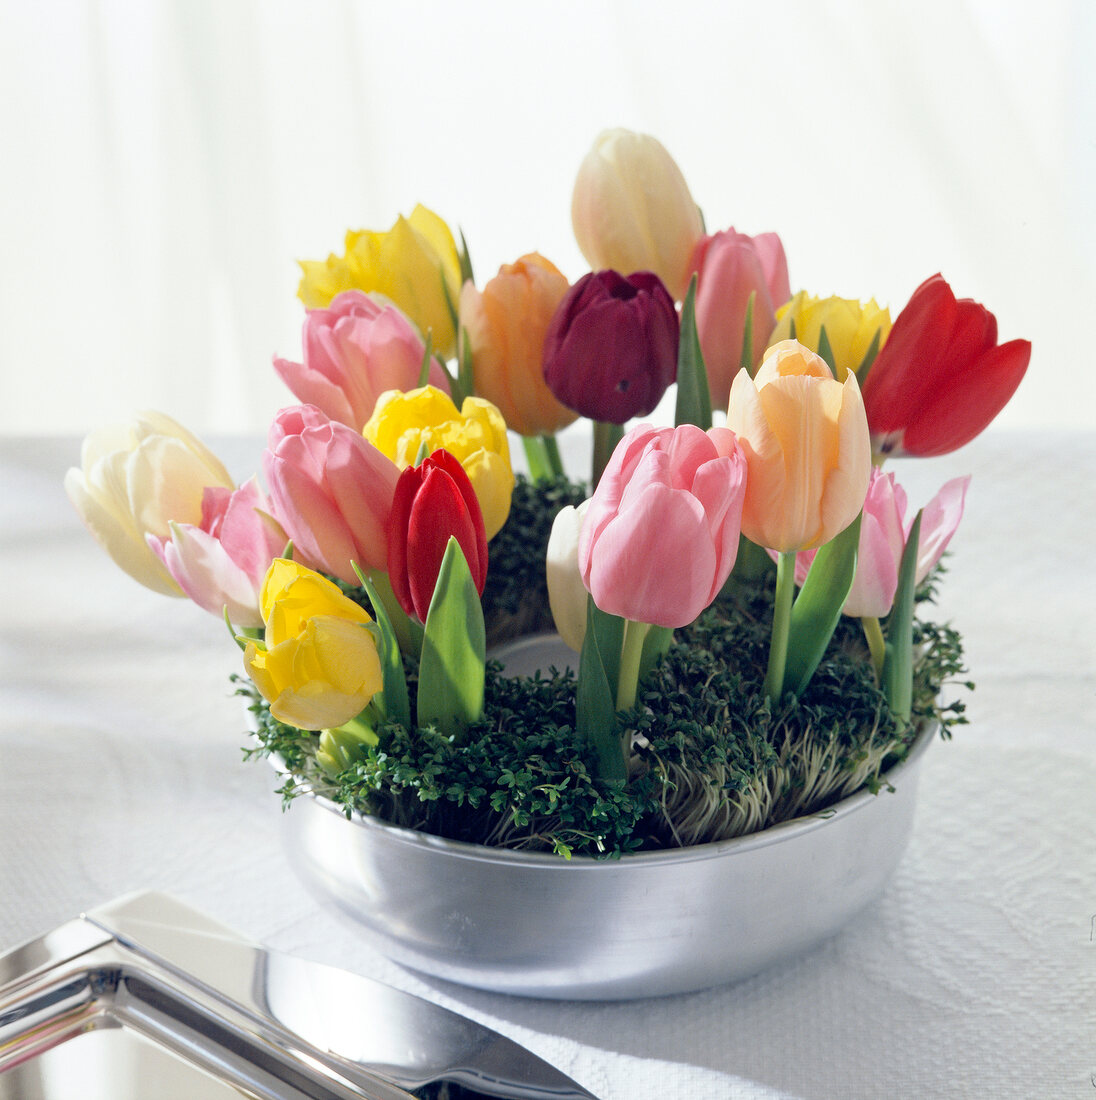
[647, 924]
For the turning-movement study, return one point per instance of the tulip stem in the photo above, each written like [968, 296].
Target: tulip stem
[606, 437]
[551, 449]
[631, 653]
[782, 615]
[877, 646]
[539, 468]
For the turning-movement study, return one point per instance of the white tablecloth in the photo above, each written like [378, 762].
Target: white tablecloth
[974, 975]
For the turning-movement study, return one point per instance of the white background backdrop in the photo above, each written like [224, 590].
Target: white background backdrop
[164, 162]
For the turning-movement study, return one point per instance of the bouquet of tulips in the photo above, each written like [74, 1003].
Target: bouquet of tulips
[740, 588]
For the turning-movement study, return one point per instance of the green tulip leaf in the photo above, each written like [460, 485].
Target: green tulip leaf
[655, 646]
[466, 275]
[595, 701]
[393, 702]
[427, 354]
[694, 400]
[869, 358]
[817, 609]
[466, 374]
[746, 361]
[610, 638]
[898, 656]
[451, 669]
[825, 351]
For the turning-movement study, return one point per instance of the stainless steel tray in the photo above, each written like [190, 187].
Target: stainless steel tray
[146, 997]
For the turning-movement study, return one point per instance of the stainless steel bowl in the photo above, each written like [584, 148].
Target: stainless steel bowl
[643, 925]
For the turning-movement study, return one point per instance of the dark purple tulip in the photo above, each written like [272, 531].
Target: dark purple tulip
[611, 349]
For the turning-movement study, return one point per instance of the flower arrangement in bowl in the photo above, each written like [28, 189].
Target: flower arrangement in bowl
[685, 787]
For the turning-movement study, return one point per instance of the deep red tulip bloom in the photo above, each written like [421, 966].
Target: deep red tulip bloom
[941, 377]
[432, 502]
[611, 348]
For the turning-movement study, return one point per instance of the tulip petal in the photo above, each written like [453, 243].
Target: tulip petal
[654, 561]
[963, 406]
[939, 521]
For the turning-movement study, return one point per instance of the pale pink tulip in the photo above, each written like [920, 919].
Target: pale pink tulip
[884, 531]
[332, 491]
[660, 535]
[354, 350]
[730, 267]
[221, 562]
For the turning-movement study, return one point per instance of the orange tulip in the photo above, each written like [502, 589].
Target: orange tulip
[807, 449]
[504, 326]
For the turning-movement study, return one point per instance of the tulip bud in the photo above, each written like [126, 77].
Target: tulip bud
[221, 562]
[133, 482]
[941, 376]
[354, 350]
[611, 349]
[661, 533]
[806, 443]
[433, 502]
[733, 268]
[318, 667]
[405, 424]
[632, 210]
[505, 325]
[414, 264]
[851, 328]
[332, 491]
[566, 592]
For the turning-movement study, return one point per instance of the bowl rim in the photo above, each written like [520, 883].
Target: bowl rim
[774, 834]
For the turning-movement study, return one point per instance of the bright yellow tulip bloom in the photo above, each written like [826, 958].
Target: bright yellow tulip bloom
[319, 667]
[807, 449]
[850, 327]
[403, 424]
[414, 264]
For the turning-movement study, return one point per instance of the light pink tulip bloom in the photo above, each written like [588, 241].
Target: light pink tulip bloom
[354, 350]
[332, 491]
[660, 535]
[730, 267]
[884, 531]
[221, 562]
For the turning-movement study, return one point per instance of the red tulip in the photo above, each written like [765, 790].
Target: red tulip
[611, 349]
[433, 501]
[941, 377]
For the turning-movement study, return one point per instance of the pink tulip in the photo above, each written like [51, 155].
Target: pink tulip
[883, 534]
[730, 267]
[332, 491]
[221, 563]
[660, 535]
[353, 351]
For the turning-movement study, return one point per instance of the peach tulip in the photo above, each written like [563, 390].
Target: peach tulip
[805, 436]
[503, 328]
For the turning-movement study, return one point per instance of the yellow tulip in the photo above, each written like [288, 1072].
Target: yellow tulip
[807, 450]
[136, 480]
[319, 667]
[504, 326]
[414, 264]
[403, 424]
[631, 210]
[850, 327]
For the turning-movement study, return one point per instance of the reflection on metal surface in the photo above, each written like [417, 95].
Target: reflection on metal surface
[647, 924]
[148, 991]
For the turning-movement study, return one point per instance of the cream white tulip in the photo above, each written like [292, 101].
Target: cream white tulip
[136, 479]
[566, 592]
